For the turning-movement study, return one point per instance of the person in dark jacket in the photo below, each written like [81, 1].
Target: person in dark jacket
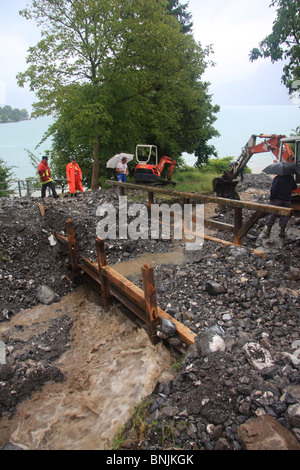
[280, 195]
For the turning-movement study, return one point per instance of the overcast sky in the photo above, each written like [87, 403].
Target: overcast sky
[233, 27]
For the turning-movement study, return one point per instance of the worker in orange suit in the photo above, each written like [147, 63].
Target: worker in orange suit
[74, 177]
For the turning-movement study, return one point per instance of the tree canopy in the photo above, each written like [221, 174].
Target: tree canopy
[115, 73]
[284, 41]
[9, 114]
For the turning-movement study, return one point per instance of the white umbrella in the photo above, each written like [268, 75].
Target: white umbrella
[113, 161]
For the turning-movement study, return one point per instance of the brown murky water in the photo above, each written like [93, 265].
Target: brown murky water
[132, 268]
[110, 366]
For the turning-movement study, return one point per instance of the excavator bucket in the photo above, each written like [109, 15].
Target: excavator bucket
[225, 188]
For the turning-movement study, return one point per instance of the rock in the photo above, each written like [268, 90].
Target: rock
[293, 415]
[52, 240]
[292, 392]
[6, 372]
[257, 356]
[46, 295]
[215, 288]
[168, 327]
[11, 446]
[210, 341]
[266, 433]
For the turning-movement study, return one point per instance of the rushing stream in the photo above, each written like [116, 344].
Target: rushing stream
[109, 367]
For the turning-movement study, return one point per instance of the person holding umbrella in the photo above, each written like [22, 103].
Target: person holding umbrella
[122, 170]
[280, 193]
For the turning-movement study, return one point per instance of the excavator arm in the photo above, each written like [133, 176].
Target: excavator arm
[225, 186]
[164, 161]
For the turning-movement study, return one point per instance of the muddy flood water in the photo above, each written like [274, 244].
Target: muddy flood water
[109, 367]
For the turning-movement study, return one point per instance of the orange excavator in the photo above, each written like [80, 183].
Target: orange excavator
[278, 145]
[147, 172]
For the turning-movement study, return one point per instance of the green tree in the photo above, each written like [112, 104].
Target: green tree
[284, 41]
[183, 16]
[5, 178]
[115, 73]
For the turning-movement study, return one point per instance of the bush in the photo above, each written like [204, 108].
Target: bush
[5, 177]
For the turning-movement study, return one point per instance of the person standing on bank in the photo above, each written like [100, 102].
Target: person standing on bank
[74, 177]
[122, 170]
[45, 177]
[280, 195]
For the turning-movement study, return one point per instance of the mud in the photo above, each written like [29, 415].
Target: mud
[106, 365]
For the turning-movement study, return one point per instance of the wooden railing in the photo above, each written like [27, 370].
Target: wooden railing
[239, 227]
[111, 284]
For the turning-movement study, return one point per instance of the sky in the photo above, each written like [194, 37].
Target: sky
[233, 27]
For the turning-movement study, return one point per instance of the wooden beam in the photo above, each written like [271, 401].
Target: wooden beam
[250, 223]
[150, 302]
[72, 245]
[105, 288]
[201, 198]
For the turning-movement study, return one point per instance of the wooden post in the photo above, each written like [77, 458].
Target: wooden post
[72, 246]
[150, 301]
[105, 288]
[150, 200]
[238, 221]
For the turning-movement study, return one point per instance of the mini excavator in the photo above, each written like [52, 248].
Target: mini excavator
[279, 145]
[147, 172]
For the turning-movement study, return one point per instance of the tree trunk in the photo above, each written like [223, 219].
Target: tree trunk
[96, 166]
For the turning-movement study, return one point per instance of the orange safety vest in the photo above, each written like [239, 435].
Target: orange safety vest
[74, 177]
[44, 172]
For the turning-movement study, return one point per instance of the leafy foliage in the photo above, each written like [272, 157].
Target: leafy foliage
[5, 177]
[8, 114]
[118, 73]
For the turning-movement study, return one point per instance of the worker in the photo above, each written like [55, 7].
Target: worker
[122, 170]
[74, 177]
[45, 177]
[280, 195]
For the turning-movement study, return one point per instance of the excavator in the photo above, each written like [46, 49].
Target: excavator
[147, 172]
[279, 145]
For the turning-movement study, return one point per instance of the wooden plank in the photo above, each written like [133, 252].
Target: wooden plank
[238, 220]
[218, 225]
[184, 333]
[150, 302]
[41, 209]
[72, 245]
[250, 223]
[127, 288]
[105, 288]
[61, 238]
[130, 305]
[269, 209]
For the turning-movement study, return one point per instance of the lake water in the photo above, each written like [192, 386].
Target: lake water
[235, 125]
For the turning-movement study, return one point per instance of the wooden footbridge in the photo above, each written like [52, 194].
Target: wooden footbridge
[142, 302]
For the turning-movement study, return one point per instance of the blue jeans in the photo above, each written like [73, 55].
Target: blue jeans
[122, 178]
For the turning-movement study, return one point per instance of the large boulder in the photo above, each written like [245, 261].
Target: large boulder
[265, 433]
